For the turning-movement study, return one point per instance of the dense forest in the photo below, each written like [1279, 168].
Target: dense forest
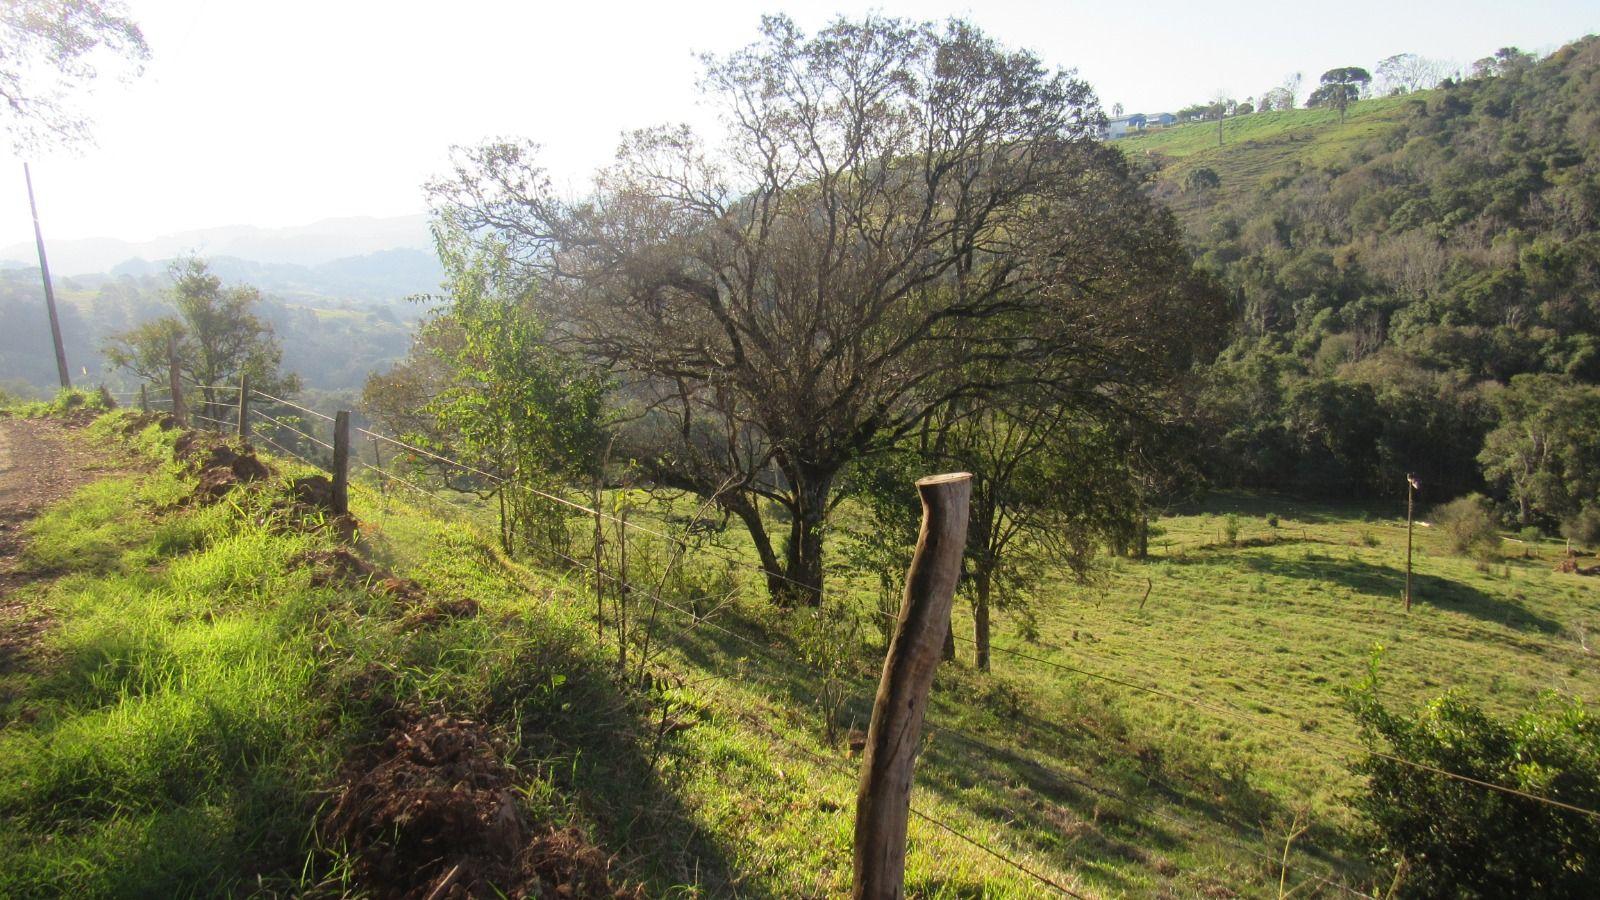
[1423, 298]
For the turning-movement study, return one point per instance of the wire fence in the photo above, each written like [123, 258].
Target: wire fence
[1279, 862]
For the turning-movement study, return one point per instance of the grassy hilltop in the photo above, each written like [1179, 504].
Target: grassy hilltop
[1259, 146]
[221, 676]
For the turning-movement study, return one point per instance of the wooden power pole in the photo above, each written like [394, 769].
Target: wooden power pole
[49, 292]
[1411, 490]
[883, 800]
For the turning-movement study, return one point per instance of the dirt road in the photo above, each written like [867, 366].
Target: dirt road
[41, 461]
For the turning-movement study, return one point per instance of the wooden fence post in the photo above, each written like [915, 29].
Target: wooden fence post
[341, 462]
[179, 411]
[144, 399]
[244, 408]
[883, 800]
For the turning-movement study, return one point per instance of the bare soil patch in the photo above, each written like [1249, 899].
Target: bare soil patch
[432, 813]
[41, 462]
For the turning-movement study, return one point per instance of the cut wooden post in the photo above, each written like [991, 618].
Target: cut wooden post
[175, 383]
[341, 462]
[244, 408]
[883, 800]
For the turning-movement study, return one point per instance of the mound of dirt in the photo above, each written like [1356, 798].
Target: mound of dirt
[312, 496]
[342, 568]
[218, 465]
[432, 814]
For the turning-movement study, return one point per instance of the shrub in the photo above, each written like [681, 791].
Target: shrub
[1451, 838]
[1468, 525]
[1230, 529]
[1583, 528]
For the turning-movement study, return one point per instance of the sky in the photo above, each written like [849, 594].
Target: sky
[283, 113]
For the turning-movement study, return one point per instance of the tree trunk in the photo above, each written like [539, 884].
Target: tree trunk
[803, 584]
[740, 505]
[982, 583]
[1142, 539]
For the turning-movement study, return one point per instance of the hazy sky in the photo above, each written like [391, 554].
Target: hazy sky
[285, 112]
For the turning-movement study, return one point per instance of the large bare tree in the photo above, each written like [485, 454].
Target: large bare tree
[901, 216]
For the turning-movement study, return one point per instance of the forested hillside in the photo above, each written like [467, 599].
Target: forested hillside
[331, 344]
[1417, 289]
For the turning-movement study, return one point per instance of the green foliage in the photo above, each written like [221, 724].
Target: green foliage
[66, 401]
[1583, 527]
[1202, 179]
[1545, 452]
[1230, 529]
[484, 386]
[1445, 837]
[1469, 525]
[1388, 272]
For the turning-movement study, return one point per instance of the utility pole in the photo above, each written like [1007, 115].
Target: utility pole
[1411, 490]
[49, 292]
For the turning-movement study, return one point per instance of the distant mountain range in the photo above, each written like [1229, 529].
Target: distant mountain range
[357, 258]
[304, 245]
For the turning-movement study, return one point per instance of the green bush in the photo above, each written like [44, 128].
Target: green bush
[1468, 525]
[1451, 838]
[1230, 529]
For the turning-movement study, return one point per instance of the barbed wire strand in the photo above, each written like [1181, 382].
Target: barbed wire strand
[266, 396]
[287, 427]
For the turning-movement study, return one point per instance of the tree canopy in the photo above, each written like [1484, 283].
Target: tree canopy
[50, 49]
[904, 215]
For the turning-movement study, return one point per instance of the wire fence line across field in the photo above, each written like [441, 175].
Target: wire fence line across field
[1191, 701]
[767, 651]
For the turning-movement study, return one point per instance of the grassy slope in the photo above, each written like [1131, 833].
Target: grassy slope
[206, 692]
[1261, 145]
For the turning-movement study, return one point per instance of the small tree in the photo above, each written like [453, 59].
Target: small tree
[483, 385]
[216, 335]
[1340, 88]
[1201, 180]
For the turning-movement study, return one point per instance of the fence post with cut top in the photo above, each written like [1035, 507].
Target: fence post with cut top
[341, 462]
[883, 799]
